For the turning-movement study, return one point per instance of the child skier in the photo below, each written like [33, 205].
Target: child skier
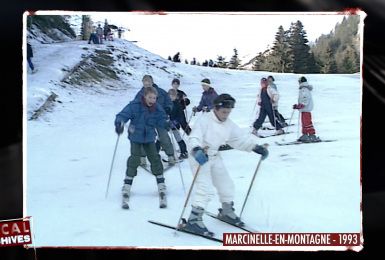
[176, 117]
[265, 99]
[208, 134]
[305, 106]
[165, 102]
[208, 96]
[277, 115]
[184, 102]
[145, 116]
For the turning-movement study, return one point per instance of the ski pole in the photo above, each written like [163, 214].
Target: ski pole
[188, 123]
[180, 169]
[287, 128]
[251, 184]
[187, 198]
[112, 164]
[299, 113]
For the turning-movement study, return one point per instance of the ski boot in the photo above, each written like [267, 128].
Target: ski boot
[304, 139]
[195, 223]
[171, 160]
[314, 139]
[162, 191]
[126, 195]
[279, 132]
[226, 213]
[183, 156]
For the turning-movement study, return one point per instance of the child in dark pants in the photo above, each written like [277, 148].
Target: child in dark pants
[305, 106]
[184, 102]
[176, 117]
[145, 116]
[266, 97]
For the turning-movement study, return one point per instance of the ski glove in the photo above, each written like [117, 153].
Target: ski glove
[260, 149]
[200, 156]
[119, 127]
[206, 109]
[298, 106]
[167, 110]
[195, 109]
[167, 125]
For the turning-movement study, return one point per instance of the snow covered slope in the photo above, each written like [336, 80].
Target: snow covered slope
[299, 188]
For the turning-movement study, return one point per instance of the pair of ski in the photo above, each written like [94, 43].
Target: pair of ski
[265, 136]
[272, 128]
[162, 200]
[169, 166]
[299, 142]
[244, 228]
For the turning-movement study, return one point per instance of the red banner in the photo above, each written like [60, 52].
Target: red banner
[291, 239]
[15, 232]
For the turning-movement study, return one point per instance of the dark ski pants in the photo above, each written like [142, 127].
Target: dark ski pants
[186, 128]
[165, 141]
[307, 124]
[263, 112]
[278, 116]
[133, 161]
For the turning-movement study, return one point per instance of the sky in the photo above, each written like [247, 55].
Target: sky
[207, 35]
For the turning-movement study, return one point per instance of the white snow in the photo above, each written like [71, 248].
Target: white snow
[299, 188]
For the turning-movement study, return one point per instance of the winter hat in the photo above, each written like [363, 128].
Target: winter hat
[177, 81]
[271, 77]
[302, 79]
[206, 82]
[224, 101]
[147, 77]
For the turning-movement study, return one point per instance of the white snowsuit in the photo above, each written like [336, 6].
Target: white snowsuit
[305, 97]
[211, 133]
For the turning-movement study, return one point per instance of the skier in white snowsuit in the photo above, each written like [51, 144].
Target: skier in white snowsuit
[212, 130]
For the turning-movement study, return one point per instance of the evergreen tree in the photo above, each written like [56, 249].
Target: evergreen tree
[234, 61]
[186, 61]
[169, 58]
[341, 46]
[330, 65]
[281, 58]
[259, 61]
[221, 62]
[349, 62]
[300, 49]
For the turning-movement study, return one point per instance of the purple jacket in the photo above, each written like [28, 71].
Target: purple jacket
[207, 99]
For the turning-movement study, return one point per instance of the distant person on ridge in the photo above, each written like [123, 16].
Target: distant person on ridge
[99, 33]
[207, 99]
[29, 57]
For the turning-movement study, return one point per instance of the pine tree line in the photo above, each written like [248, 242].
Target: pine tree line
[233, 63]
[337, 52]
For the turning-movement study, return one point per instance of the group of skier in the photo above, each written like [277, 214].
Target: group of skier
[154, 112]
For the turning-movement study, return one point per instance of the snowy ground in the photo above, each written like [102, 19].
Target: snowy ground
[300, 188]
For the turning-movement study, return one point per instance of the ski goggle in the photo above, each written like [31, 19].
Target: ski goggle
[229, 103]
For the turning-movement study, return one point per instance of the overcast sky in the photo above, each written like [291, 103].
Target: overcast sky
[206, 35]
